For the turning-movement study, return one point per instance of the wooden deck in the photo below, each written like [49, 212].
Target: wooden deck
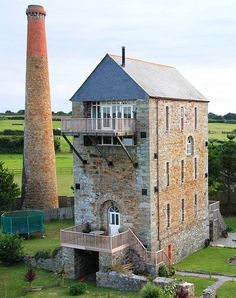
[93, 126]
[74, 237]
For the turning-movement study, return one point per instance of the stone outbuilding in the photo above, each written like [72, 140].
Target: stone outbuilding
[140, 137]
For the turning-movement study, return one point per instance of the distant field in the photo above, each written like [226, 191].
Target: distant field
[64, 163]
[64, 159]
[216, 129]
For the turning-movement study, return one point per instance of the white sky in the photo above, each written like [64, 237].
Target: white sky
[198, 37]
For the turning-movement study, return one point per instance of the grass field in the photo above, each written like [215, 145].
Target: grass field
[16, 285]
[51, 239]
[218, 128]
[228, 290]
[64, 164]
[210, 260]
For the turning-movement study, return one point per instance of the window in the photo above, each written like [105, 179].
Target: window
[182, 171]
[182, 210]
[195, 204]
[167, 174]
[195, 168]
[190, 146]
[167, 119]
[111, 141]
[182, 119]
[168, 215]
[195, 118]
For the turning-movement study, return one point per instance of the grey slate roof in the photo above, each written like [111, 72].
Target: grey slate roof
[136, 80]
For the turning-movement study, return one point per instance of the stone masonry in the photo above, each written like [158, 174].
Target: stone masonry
[39, 190]
[102, 186]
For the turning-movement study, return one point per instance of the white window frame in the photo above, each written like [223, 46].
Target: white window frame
[190, 146]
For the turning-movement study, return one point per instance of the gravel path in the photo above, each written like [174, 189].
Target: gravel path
[221, 279]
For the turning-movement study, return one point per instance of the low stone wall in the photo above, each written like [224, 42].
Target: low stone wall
[51, 264]
[132, 282]
[209, 293]
[58, 213]
[119, 281]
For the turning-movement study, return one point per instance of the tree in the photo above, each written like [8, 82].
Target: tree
[9, 191]
[230, 116]
[21, 112]
[222, 167]
[228, 166]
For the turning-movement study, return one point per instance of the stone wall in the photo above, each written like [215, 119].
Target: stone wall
[182, 236]
[51, 264]
[132, 282]
[102, 186]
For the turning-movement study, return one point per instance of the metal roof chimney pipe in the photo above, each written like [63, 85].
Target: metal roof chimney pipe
[123, 57]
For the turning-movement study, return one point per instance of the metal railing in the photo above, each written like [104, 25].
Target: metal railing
[125, 126]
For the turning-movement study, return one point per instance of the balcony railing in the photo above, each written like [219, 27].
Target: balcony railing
[106, 126]
[74, 237]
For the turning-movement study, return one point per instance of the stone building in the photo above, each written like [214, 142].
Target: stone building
[140, 136]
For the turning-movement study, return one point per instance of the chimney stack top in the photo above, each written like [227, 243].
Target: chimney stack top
[35, 10]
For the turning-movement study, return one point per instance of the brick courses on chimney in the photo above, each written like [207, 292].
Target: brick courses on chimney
[39, 188]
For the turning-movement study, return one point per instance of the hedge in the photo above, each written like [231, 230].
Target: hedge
[15, 144]
[16, 132]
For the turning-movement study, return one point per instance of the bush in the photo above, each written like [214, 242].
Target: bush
[12, 132]
[15, 144]
[11, 249]
[151, 291]
[42, 254]
[77, 289]
[162, 271]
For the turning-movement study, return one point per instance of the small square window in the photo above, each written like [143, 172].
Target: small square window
[206, 175]
[77, 186]
[144, 192]
[206, 143]
[155, 189]
[155, 155]
[106, 140]
[143, 134]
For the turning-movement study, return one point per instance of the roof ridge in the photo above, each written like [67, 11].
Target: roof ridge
[136, 59]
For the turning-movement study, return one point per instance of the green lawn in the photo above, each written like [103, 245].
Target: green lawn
[52, 239]
[210, 260]
[199, 283]
[64, 163]
[230, 221]
[228, 290]
[14, 277]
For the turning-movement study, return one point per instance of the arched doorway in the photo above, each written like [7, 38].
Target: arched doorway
[114, 220]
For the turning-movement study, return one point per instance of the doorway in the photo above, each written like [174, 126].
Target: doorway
[114, 220]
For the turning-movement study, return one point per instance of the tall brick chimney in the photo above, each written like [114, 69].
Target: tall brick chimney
[39, 185]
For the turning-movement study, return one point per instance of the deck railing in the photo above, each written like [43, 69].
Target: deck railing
[74, 237]
[119, 126]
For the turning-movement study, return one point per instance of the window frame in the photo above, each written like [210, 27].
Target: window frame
[190, 146]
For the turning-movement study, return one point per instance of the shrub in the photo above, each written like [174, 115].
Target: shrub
[77, 289]
[162, 271]
[229, 229]
[151, 291]
[11, 249]
[42, 254]
[30, 276]
[15, 144]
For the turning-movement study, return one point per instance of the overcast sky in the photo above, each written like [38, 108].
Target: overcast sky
[198, 37]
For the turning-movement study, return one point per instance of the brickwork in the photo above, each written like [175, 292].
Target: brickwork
[39, 180]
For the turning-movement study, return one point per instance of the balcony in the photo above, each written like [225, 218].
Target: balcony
[74, 237]
[99, 126]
